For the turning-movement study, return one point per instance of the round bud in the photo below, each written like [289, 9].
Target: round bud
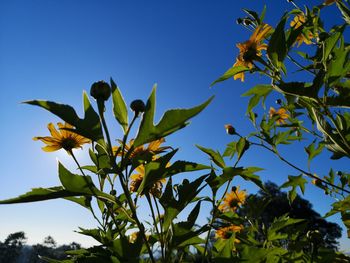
[323, 36]
[100, 90]
[138, 106]
[247, 21]
[279, 101]
[239, 21]
[113, 192]
[339, 173]
[234, 189]
[230, 129]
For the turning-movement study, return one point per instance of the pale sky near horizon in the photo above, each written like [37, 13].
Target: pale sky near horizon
[56, 49]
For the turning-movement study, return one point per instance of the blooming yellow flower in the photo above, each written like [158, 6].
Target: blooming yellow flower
[227, 232]
[304, 37]
[281, 113]
[152, 148]
[62, 139]
[136, 180]
[250, 49]
[233, 200]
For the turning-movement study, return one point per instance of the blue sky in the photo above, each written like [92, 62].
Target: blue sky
[55, 49]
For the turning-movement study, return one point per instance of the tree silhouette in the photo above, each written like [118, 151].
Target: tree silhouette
[12, 246]
[264, 207]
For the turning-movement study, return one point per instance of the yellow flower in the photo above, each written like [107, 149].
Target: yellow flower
[281, 113]
[62, 139]
[152, 148]
[251, 49]
[227, 232]
[304, 37]
[136, 180]
[233, 200]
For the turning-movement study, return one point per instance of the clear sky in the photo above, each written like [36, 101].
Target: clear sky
[55, 49]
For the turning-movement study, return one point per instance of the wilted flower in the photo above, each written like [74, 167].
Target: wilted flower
[227, 232]
[251, 49]
[62, 139]
[281, 113]
[233, 200]
[230, 129]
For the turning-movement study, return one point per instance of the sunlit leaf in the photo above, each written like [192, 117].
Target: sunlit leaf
[119, 107]
[171, 121]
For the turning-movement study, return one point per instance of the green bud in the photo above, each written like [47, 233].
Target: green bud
[100, 90]
[113, 192]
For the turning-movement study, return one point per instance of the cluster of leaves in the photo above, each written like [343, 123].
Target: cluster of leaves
[123, 171]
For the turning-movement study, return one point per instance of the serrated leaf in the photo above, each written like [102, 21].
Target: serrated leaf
[294, 182]
[88, 127]
[171, 121]
[258, 92]
[40, 194]
[214, 155]
[119, 107]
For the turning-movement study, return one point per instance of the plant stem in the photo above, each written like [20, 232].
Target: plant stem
[299, 169]
[155, 224]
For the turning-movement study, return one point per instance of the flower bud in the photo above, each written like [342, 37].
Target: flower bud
[279, 101]
[100, 90]
[230, 129]
[247, 21]
[138, 106]
[113, 192]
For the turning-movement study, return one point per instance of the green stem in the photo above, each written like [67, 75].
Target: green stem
[155, 224]
[91, 189]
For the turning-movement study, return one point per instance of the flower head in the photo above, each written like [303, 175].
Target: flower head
[251, 49]
[233, 200]
[304, 37]
[227, 232]
[152, 148]
[136, 180]
[281, 113]
[62, 139]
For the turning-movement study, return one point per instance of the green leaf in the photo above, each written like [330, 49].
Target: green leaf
[312, 151]
[230, 150]
[241, 146]
[171, 121]
[81, 185]
[277, 49]
[257, 92]
[230, 74]
[40, 194]
[119, 107]
[294, 182]
[214, 155]
[186, 191]
[88, 127]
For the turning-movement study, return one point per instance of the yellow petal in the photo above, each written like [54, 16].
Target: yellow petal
[53, 131]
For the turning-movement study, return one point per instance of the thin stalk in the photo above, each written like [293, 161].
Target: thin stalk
[123, 182]
[299, 169]
[91, 189]
[160, 224]
[155, 224]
